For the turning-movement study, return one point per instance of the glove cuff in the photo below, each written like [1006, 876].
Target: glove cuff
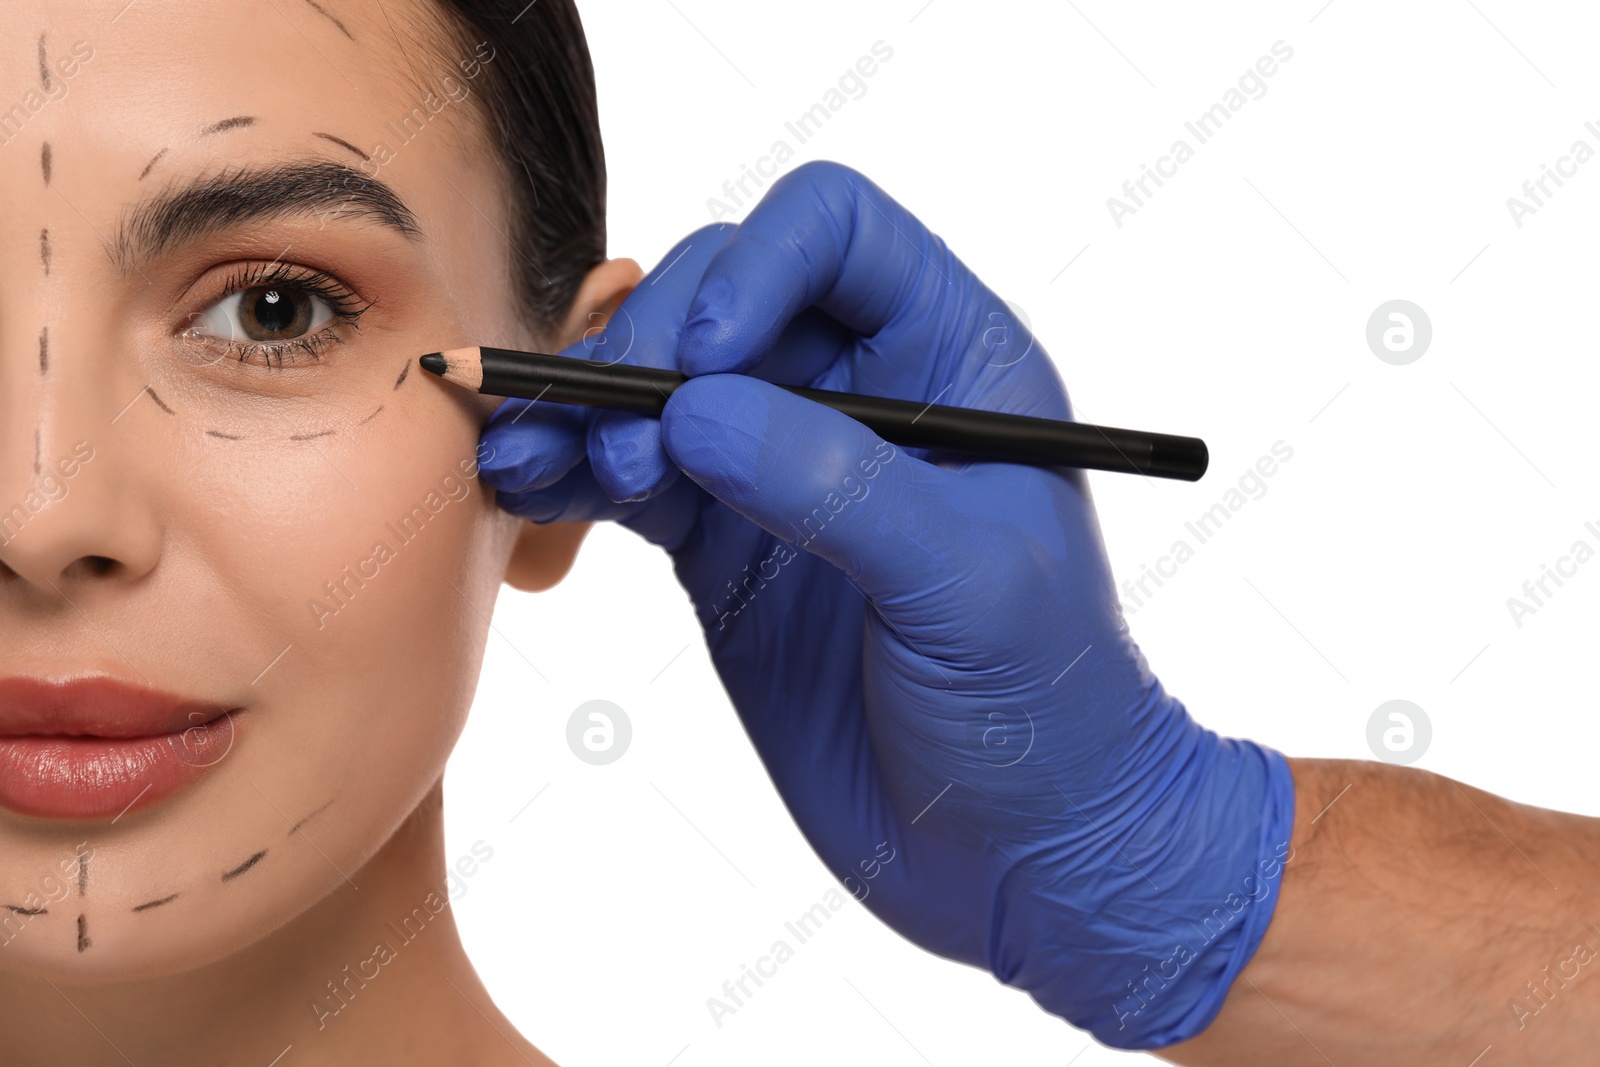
[1226, 908]
[1141, 945]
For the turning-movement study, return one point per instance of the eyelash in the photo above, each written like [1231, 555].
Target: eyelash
[347, 307]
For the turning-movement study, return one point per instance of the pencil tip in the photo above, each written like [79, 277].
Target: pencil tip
[435, 362]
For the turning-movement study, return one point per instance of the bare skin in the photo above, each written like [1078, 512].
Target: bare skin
[1415, 911]
[426, 1005]
[226, 494]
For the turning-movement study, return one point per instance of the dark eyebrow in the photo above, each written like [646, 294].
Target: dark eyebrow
[212, 203]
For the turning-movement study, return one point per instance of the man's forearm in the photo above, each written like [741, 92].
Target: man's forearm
[1420, 921]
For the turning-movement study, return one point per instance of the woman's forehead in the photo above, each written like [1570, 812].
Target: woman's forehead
[116, 120]
[203, 80]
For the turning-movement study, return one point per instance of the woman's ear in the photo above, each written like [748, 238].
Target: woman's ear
[544, 553]
[602, 292]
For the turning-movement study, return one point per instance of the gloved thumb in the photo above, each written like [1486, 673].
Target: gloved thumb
[819, 479]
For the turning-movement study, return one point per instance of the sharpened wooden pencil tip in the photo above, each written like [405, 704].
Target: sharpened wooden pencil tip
[458, 366]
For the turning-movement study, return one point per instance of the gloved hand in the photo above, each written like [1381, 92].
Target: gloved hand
[926, 650]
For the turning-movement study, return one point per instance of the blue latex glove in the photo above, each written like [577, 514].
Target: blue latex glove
[926, 650]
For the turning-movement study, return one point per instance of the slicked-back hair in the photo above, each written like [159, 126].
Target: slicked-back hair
[538, 96]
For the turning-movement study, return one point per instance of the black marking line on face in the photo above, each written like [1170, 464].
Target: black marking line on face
[147, 905]
[83, 874]
[44, 161]
[44, 67]
[18, 909]
[37, 469]
[234, 123]
[313, 815]
[44, 350]
[369, 418]
[310, 436]
[83, 933]
[344, 144]
[44, 250]
[403, 372]
[225, 436]
[321, 11]
[148, 167]
[157, 399]
[245, 866]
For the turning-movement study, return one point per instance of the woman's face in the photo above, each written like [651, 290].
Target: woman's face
[230, 230]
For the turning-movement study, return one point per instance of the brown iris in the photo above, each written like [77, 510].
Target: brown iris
[274, 313]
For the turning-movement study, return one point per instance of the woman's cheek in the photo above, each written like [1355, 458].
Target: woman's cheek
[353, 555]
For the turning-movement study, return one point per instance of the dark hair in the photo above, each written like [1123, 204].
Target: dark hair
[537, 96]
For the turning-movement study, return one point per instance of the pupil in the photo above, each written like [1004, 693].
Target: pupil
[274, 314]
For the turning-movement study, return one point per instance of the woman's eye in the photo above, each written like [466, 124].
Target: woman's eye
[265, 313]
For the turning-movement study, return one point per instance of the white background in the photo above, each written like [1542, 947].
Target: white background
[1232, 306]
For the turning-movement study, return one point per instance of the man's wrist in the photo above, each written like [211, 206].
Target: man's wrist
[1414, 911]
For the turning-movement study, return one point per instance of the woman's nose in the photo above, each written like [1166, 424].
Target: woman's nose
[79, 478]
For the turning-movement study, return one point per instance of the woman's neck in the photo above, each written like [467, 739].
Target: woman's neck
[373, 973]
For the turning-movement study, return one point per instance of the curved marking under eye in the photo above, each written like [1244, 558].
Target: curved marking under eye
[159, 404]
[224, 436]
[310, 436]
[18, 909]
[369, 418]
[398, 382]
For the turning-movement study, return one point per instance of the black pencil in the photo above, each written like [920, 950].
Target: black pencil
[992, 434]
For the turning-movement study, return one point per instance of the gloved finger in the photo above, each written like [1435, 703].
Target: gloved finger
[825, 236]
[813, 350]
[812, 240]
[810, 475]
[531, 445]
[623, 447]
[664, 520]
[528, 451]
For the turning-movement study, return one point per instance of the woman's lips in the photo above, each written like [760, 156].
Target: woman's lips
[97, 747]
